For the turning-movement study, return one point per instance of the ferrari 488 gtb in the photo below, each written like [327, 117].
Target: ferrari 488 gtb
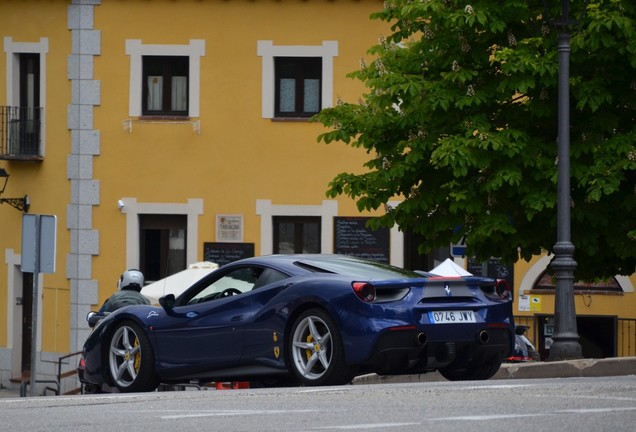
[308, 320]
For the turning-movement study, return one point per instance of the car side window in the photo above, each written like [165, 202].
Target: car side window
[270, 276]
[236, 282]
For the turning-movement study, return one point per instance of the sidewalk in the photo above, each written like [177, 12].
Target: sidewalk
[615, 366]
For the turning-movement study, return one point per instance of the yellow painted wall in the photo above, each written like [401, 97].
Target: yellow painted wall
[586, 304]
[594, 303]
[238, 157]
[45, 182]
[55, 316]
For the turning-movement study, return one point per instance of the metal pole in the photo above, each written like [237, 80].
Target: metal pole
[565, 339]
[34, 311]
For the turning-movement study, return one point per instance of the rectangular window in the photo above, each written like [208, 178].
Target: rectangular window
[296, 234]
[21, 123]
[298, 86]
[165, 85]
[28, 137]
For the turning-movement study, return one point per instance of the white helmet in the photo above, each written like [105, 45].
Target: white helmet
[131, 279]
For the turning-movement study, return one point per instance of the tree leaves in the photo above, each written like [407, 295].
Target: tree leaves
[460, 124]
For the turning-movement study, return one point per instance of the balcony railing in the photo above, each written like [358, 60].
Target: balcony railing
[20, 133]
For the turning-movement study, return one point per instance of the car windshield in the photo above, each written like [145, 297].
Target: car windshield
[355, 266]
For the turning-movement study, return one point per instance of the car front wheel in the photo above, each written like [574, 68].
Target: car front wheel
[316, 353]
[130, 359]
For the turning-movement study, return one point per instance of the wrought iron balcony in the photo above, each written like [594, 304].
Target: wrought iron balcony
[20, 130]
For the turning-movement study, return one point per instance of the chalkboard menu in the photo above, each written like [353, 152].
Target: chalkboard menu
[492, 268]
[353, 237]
[224, 253]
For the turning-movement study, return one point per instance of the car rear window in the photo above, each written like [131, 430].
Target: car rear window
[366, 269]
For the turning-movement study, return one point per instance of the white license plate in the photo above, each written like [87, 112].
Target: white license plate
[452, 317]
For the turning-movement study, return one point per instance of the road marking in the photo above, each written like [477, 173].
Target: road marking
[488, 417]
[221, 413]
[367, 426]
[499, 386]
[328, 390]
[610, 398]
[75, 398]
[597, 410]
[545, 414]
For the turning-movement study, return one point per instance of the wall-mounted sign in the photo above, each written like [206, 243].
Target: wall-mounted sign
[224, 253]
[229, 228]
[353, 237]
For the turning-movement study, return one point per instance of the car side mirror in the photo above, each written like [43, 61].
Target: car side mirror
[167, 301]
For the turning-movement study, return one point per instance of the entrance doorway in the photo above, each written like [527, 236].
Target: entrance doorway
[162, 250]
[27, 322]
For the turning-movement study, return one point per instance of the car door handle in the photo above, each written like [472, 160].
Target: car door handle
[236, 318]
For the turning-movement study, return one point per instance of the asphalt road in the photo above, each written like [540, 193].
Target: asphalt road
[562, 404]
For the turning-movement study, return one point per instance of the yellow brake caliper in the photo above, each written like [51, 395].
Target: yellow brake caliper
[309, 352]
[137, 356]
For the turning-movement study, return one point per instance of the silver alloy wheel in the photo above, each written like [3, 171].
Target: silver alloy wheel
[312, 347]
[124, 357]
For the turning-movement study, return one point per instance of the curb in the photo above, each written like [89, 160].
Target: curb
[615, 366]
[569, 369]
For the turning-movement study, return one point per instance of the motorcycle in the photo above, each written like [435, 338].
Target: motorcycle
[524, 350]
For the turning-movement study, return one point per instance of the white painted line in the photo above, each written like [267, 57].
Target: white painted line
[545, 414]
[488, 417]
[75, 398]
[597, 410]
[368, 426]
[222, 413]
[610, 398]
[499, 386]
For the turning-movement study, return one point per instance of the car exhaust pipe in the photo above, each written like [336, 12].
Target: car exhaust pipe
[421, 339]
[484, 337]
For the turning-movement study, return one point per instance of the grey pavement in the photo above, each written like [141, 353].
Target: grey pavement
[615, 366]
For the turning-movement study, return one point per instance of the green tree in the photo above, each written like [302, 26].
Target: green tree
[460, 122]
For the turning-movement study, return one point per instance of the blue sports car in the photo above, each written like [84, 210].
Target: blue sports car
[308, 320]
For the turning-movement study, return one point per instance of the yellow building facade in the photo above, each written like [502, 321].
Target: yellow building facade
[164, 133]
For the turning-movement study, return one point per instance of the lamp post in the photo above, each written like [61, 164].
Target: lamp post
[565, 339]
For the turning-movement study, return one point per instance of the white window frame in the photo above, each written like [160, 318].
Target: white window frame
[326, 211]
[132, 209]
[13, 50]
[136, 50]
[268, 51]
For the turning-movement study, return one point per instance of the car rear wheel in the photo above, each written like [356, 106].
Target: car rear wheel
[316, 353]
[481, 372]
[130, 359]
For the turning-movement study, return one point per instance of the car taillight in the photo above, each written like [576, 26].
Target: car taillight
[364, 291]
[503, 289]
